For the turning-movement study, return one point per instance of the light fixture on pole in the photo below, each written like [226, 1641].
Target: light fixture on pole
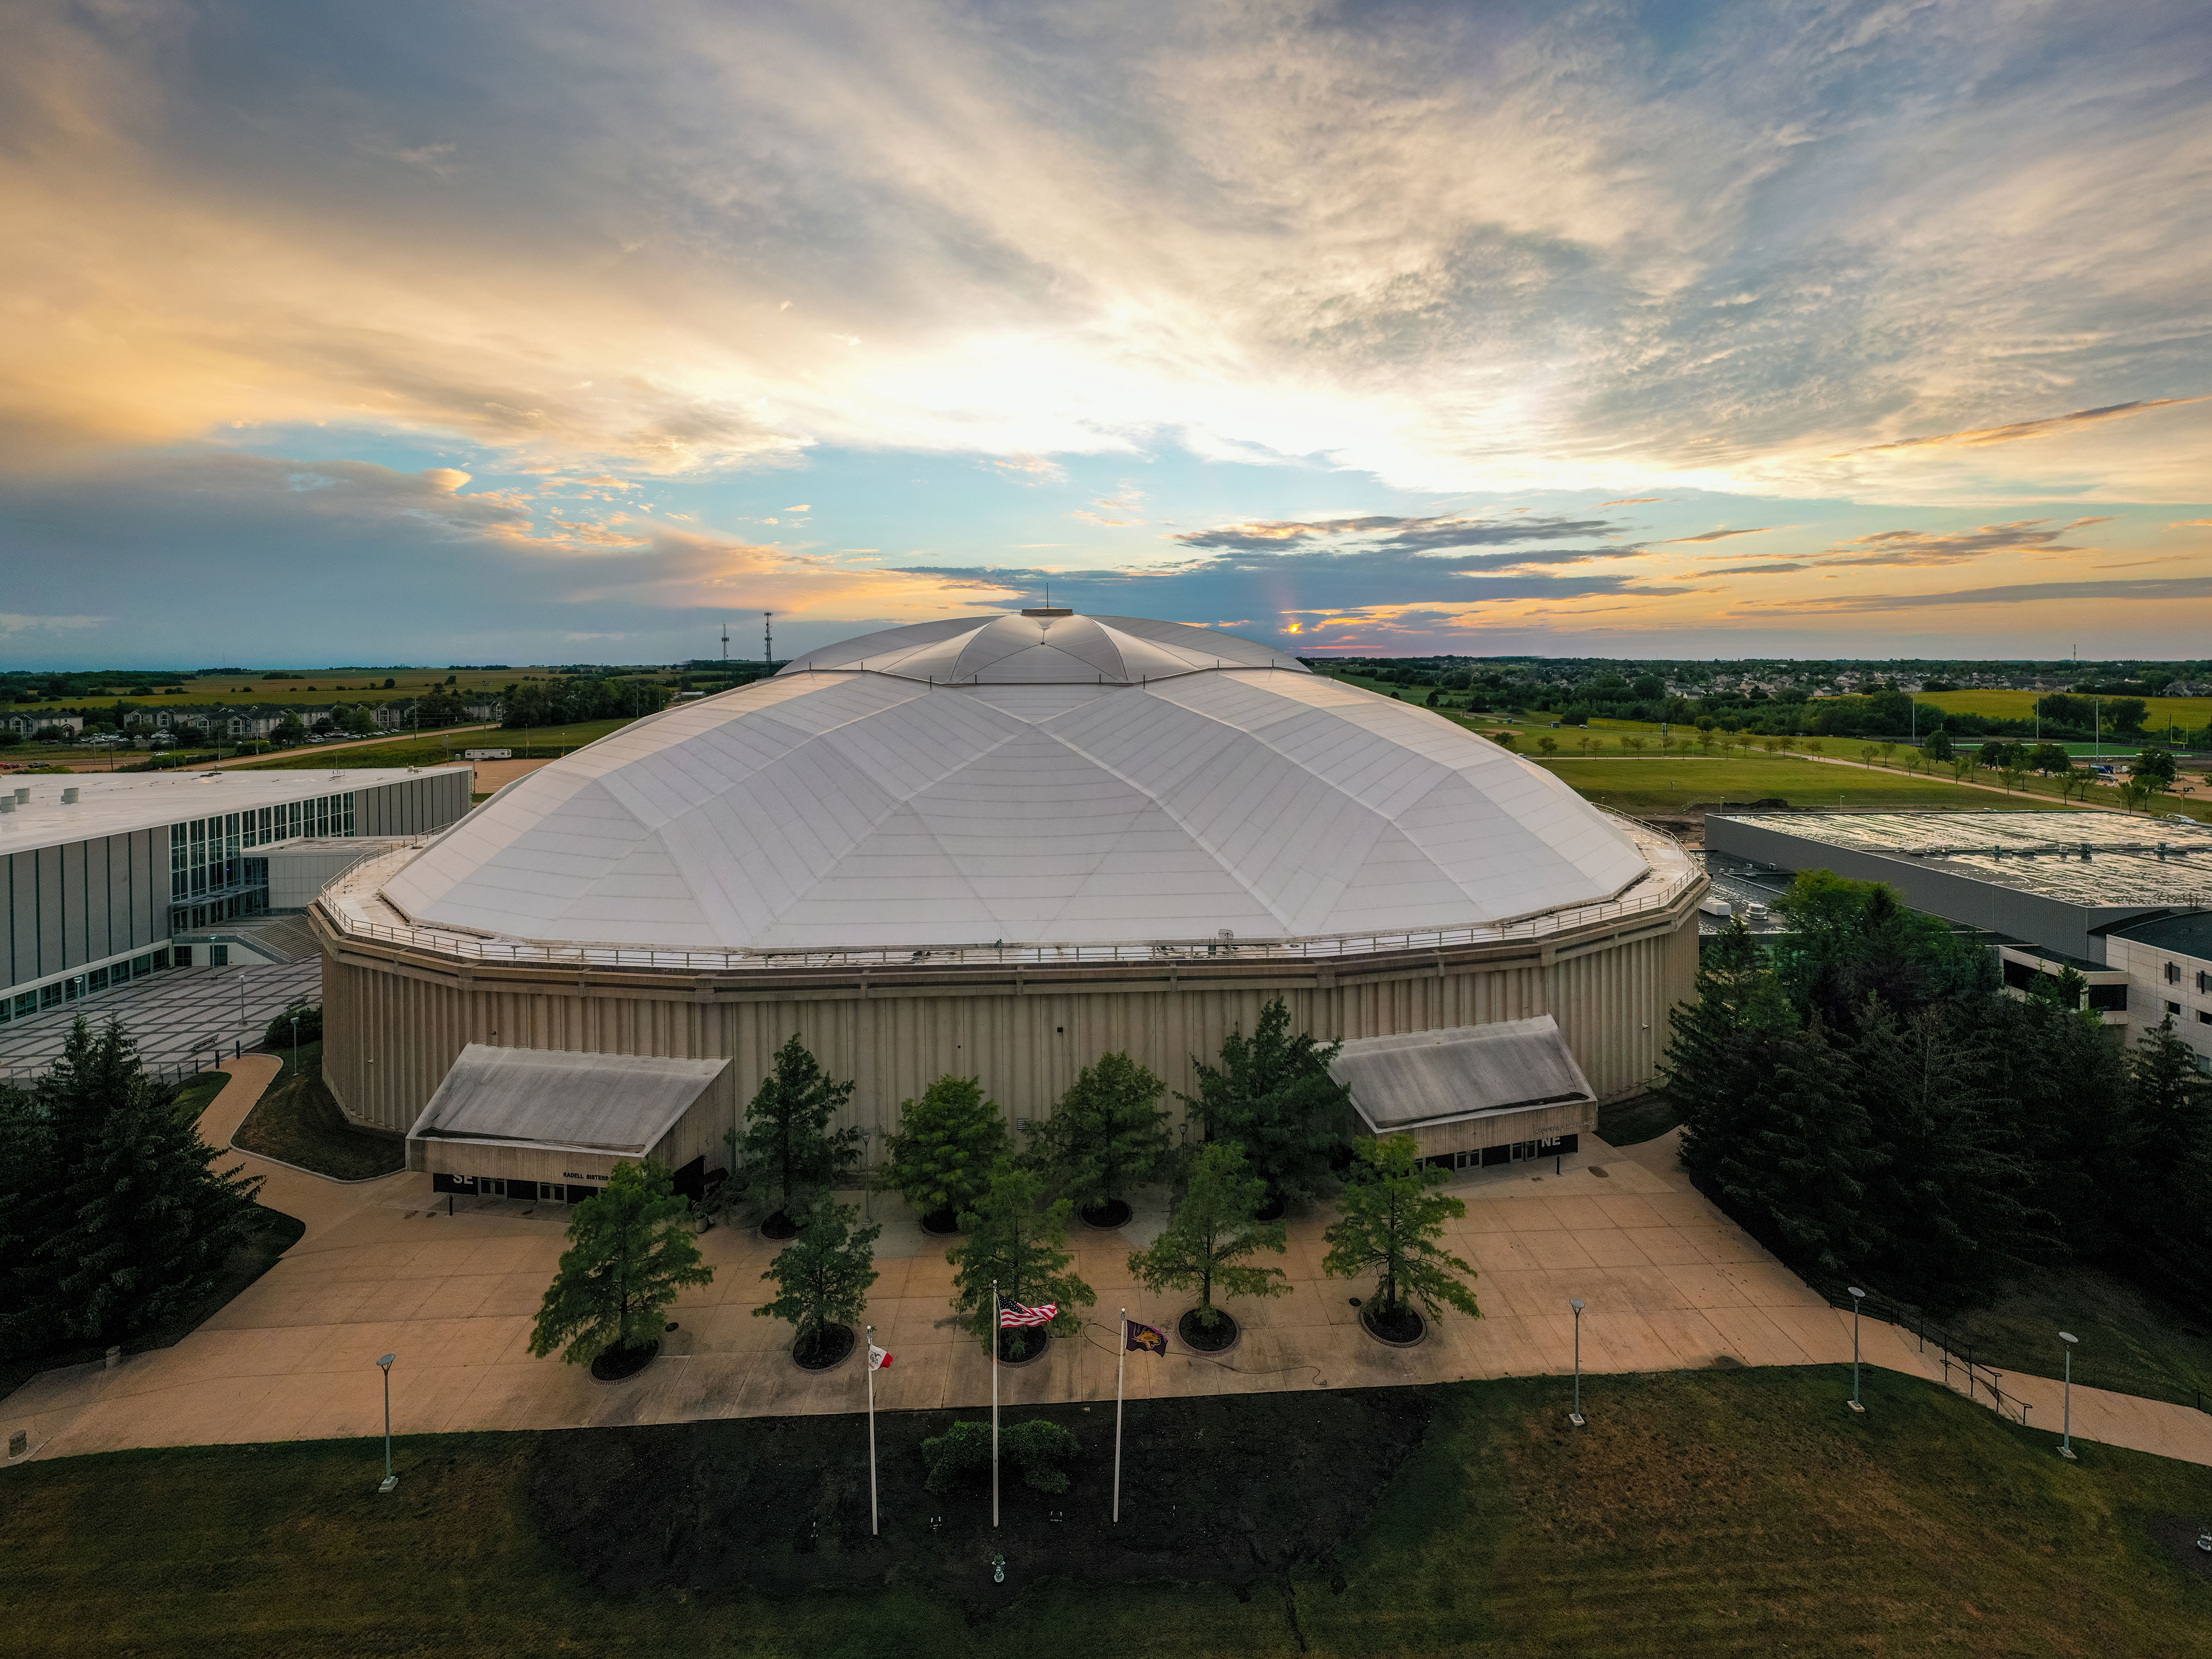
[2066, 1434]
[1857, 1296]
[390, 1479]
[1575, 1417]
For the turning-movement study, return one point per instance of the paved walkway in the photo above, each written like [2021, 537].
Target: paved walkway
[178, 1017]
[1668, 1282]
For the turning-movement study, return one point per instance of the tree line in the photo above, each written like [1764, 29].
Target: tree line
[1864, 1097]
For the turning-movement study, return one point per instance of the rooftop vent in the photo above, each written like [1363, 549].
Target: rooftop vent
[68, 796]
[1048, 610]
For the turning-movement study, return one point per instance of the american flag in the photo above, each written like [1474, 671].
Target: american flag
[1014, 1313]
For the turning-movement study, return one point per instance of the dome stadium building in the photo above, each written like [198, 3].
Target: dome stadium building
[998, 847]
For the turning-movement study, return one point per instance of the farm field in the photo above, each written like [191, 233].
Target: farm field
[1671, 782]
[1719, 1512]
[2189, 714]
[439, 749]
[309, 685]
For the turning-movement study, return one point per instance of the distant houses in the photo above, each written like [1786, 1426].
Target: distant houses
[236, 721]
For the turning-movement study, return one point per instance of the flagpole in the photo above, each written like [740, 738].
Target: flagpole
[1121, 1368]
[875, 1526]
[994, 1403]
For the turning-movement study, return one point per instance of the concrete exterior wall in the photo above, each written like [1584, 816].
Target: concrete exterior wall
[1927, 885]
[80, 904]
[414, 807]
[395, 1020]
[1497, 1129]
[2149, 991]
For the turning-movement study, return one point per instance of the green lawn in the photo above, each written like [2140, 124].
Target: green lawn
[298, 1121]
[436, 749]
[1631, 1122]
[2131, 1341]
[1674, 782]
[1736, 1512]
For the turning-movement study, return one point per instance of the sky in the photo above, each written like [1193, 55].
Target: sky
[573, 332]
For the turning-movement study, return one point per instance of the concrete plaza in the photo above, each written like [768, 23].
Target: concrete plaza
[1669, 1284]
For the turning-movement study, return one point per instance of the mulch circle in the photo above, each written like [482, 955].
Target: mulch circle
[620, 1364]
[1108, 1216]
[943, 1224]
[1042, 1346]
[836, 1347]
[1200, 1339]
[1274, 1210]
[1408, 1329]
[779, 1227]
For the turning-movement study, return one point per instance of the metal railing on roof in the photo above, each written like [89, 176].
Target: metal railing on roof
[342, 904]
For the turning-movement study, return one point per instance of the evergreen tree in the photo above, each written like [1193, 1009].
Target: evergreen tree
[1389, 1220]
[630, 1250]
[1212, 1231]
[822, 1275]
[1946, 1193]
[1106, 1135]
[787, 1145]
[1799, 1175]
[1273, 1095]
[1016, 1242]
[2170, 1223]
[145, 1224]
[1723, 1042]
[947, 1145]
[1850, 939]
[29, 1167]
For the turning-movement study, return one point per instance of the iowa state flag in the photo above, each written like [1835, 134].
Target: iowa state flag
[1145, 1338]
[879, 1359]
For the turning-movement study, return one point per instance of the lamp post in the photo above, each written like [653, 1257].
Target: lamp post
[2066, 1434]
[1575, 1417]
[1857, 1296]
[390, 1479]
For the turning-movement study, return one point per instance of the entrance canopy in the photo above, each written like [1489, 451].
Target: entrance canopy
[499, 1105]
[1426, 1079]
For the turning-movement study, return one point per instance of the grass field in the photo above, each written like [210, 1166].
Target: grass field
[2191, 714]
[2130, 1342]
[1675, 781]
[435, 749]
[1739, 1512]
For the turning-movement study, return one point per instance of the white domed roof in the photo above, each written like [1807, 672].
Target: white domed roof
[1048, 779]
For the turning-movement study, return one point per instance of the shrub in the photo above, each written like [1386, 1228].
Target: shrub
[1036, 1448]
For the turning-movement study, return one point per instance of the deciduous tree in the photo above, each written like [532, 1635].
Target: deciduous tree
[823, 1276]
[630, 1250]
[1273, 1095]
[1212, 1231]
[1016, 1241]
[1389, 1220]
[947, 1144]
[1106, 1135]
[787, 1146]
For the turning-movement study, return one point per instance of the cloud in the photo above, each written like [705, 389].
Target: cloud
[1754, 569]
[2046, 427]
[1914, 547]
[1633, 500]
[2185, 524]
[1720, 534]
[1576, 253]
[2163, 589]
[2076, 524]
[1399, 534]
[16, 623]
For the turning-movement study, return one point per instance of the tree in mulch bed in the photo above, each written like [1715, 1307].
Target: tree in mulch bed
[631, 1249]
[1389, 1218]
[1273, 1095]
[1036, 1448]
[1015, 1241]
[824, 1274]
[941, 1156]
[1105, 1137]
[1204, 1246]
[788, 1147]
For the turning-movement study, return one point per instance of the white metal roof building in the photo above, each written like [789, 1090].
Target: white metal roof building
[100, 872]
[1001, 846]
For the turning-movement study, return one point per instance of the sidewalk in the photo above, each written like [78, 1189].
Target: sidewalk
[1669, 1284]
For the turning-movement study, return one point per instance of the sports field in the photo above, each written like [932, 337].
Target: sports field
[436, 749]
[1675, 781]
